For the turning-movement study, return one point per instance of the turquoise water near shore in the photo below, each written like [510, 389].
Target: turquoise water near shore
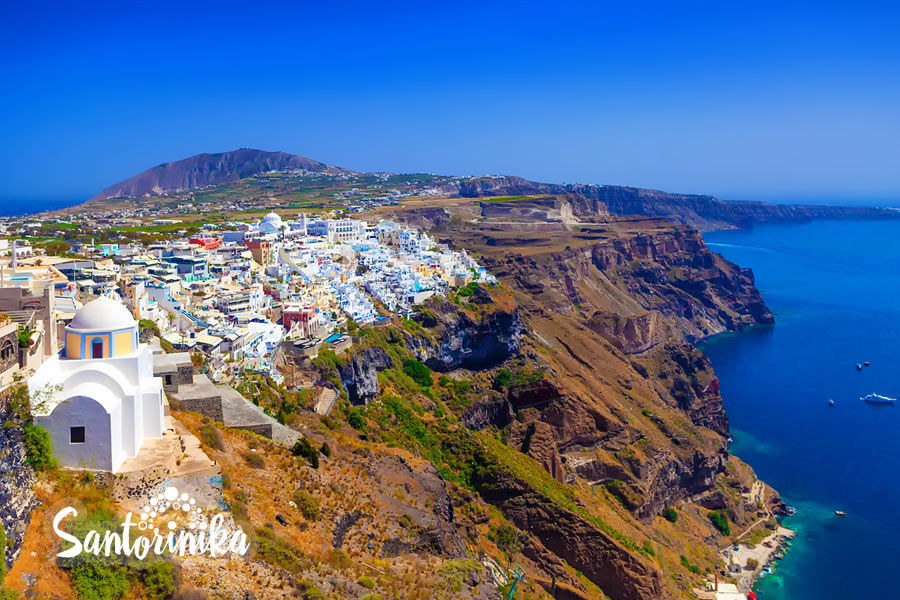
[834, 287]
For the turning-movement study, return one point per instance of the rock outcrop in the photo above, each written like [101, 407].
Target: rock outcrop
[17, 480]
[470, 340]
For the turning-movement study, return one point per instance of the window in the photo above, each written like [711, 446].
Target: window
[76, 435]
[97, 348]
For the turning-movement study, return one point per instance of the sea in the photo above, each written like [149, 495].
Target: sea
[834, 287]
[16, 205]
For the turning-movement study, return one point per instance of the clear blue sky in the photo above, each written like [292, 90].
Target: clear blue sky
[745, 100]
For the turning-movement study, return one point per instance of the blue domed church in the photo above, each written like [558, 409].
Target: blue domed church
[98, 397]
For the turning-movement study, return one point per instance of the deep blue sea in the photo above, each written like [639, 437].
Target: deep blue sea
[834, 287]
[15, 205]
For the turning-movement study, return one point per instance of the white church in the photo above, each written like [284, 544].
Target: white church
[98, 397]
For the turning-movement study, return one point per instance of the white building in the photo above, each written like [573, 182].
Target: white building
[98, 398]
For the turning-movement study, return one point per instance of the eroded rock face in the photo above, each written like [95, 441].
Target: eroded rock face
[535, 439]
[630, 334]
[672, 480]
[17, 481]
[602, 559]
[464, 341]
[360, 375]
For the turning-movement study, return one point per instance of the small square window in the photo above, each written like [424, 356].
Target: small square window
[76, 435]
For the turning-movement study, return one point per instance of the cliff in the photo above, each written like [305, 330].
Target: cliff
[700, 211]
[17, 479]
[604, 392]
[209, 169]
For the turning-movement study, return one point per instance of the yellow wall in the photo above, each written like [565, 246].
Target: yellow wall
[73, 345]
[123, 342]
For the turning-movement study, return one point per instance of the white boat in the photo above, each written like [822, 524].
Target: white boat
[878, 399]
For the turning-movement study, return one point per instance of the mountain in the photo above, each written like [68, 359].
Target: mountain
[700, 211]
[209, 169]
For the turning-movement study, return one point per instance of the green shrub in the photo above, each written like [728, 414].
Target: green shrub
[367, 582]
[278, 552]
[752, 564]
[687, 565]
[94, 581]
[226, 481]
[254, 460]
[720, 521]
[502, 380]
[159, 579]
[303, 448]
[325, 449]
[8, 594]
[329, 422]
[418, 372]
[308, 505]
[38, 447]
[2, 551]
[357, 419]
[670, 514]
[311, 592]
[211, 437]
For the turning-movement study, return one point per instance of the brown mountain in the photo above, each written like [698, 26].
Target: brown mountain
[209, 169]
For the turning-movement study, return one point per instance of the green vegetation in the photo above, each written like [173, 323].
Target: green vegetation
[670, 515]
[367, 582]
[507, 539]
[720, 521]
[254, 460]
[308, 505]
[357, 419]
[418, 372]
[687, 565]
[303, 448]
[624, 494]
[38, 447]
[94, 581]
[277, 552]
[108, 578]
[3, 542]
[210, 436]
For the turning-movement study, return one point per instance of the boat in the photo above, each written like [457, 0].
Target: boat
[858, 367]
[866, 364]
[840, 513]
[878, 399]
[830, 402]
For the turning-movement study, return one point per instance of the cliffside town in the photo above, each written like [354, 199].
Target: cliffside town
[398, 396]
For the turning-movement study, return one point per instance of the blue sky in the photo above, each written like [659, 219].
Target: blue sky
[776, 101]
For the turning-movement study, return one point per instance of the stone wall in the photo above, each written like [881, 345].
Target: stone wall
[210, 407]
[17, 481]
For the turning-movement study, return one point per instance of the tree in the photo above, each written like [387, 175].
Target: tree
[57, 249]
[38, 448]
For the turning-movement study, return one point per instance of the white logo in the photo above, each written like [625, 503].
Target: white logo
[169, 523]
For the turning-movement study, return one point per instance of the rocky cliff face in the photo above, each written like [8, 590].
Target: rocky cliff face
[701, 211]
[209, 169]
[466, 339]
[17, 481]
[594, 410]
